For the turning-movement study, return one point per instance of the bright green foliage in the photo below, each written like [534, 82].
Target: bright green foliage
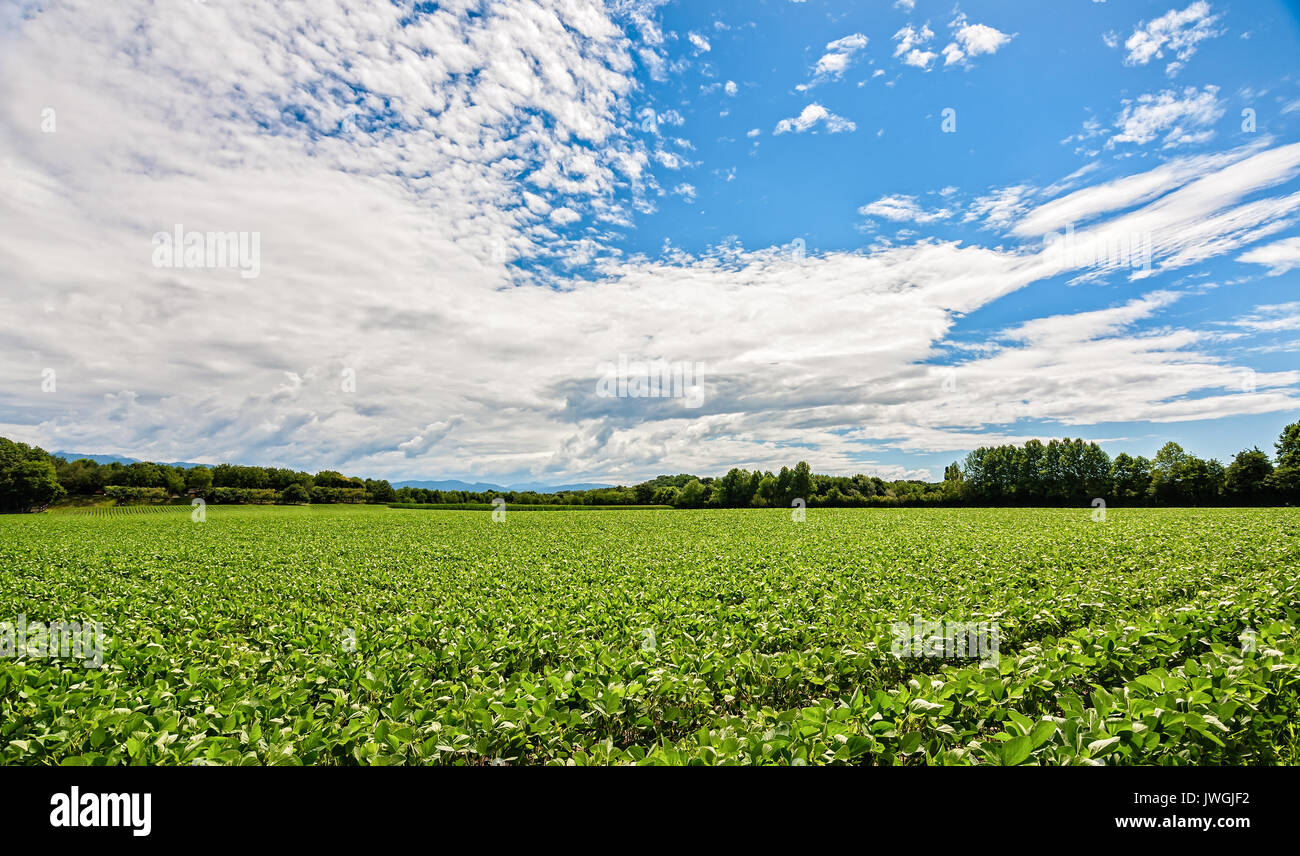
[369, 635]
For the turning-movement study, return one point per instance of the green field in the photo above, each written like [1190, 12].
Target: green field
[368, 635]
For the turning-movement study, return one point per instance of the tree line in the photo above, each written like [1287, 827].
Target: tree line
[1071, 472]
[1059, 472]
[31, 478]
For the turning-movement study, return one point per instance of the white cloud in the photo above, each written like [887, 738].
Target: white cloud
[1088, 203]
[1179, 32]
[1001, 207]
[1206, 217]
[1090, 367]
[686, 191]
[670, 160]
[1277, 318]
[1176, 118]
[909, 48]
[839, 55]
[430, 436]
[1084, 326]
[902, 207]
[700, 43]
[919, 58]
[970, 40]
[386, 251]
[1280, 256]
[730, 87]
[810, 117]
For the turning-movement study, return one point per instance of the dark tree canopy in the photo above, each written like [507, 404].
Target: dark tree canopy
[28, 477]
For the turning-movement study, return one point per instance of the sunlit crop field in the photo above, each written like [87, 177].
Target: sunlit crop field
[370, 635]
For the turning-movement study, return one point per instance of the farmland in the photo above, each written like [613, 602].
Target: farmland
[369, 635]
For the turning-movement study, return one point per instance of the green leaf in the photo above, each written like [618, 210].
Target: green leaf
[1101, 747]
[910, 741]
[1015, 750]
[1151, 682]
[1042, 732]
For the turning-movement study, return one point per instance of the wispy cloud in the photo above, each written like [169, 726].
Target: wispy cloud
[1280, 256]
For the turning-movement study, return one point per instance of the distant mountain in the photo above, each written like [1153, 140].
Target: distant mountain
[449, 484]
[118, 459]
[558, 488]
[480, 487]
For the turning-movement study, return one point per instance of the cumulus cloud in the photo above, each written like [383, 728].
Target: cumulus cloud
[832, 64]
[971, 40]
[902, 208]
[1176, 118]
[968, 40]
[670, 160]
[812, 116]
[910, 46]
[1177, 32]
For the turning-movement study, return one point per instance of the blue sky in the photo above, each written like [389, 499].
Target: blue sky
[467, 213]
